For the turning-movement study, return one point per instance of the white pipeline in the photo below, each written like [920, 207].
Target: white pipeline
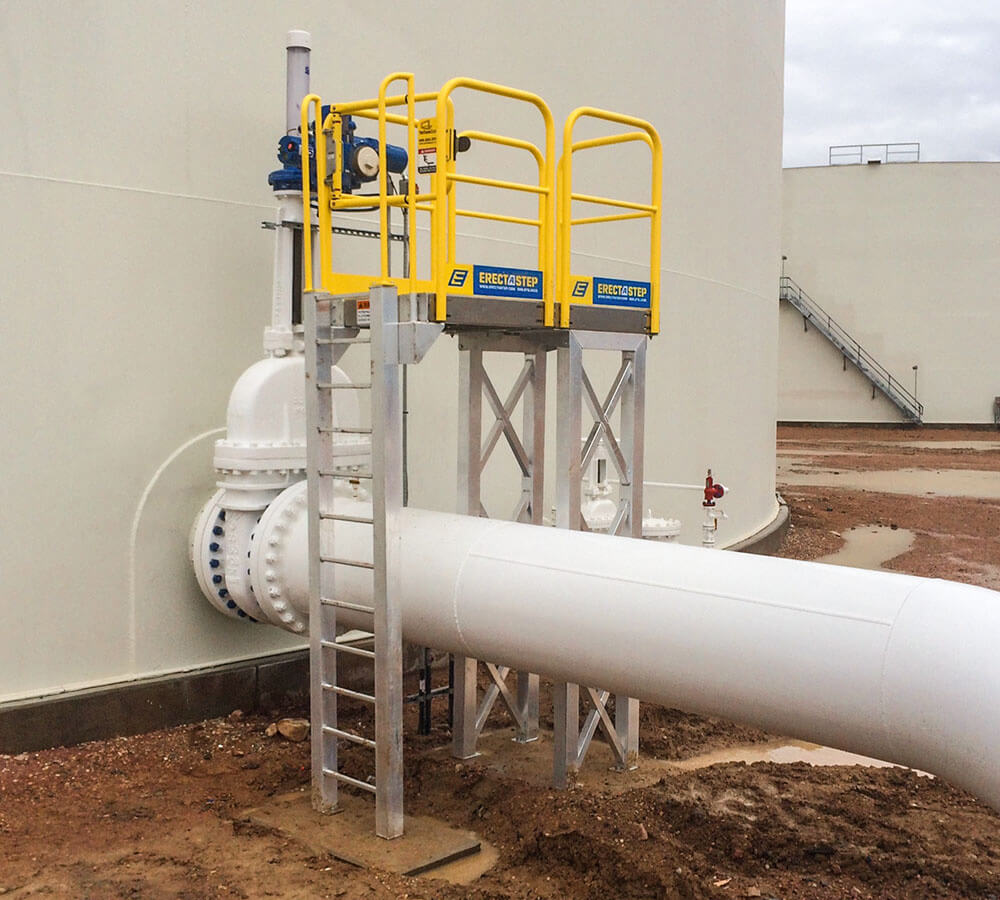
[892, 666]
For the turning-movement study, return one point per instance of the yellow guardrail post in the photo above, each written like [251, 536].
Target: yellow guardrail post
[450, 197]
[648, 135]
[324, 208]
[383, 170]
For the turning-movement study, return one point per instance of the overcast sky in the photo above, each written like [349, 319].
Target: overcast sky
[859, 71]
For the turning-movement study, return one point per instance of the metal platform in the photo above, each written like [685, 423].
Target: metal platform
[496, 315]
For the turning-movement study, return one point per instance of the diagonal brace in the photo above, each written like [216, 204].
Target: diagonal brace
[503, 424]
[602, 413]
[599, 716]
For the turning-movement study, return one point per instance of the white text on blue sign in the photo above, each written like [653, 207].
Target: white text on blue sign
[493, 281]
[617, 292]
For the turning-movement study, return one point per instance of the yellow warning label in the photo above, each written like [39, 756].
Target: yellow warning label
[427, 146]
[427, 134]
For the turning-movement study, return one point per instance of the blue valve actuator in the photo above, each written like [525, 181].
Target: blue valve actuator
[356, 171]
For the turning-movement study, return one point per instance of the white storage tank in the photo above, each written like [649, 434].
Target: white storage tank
[904, 257]
[137, 278]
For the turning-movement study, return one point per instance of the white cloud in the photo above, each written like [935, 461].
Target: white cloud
[862, 72]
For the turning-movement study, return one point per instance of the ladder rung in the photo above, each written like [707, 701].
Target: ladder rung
[352, 476]
[347, 648]
[340, 776]
[344, 430]
[345, 386]
[358, 340]
[343, 604]
[359, 520]
[338, 561]
[349, 736]
[346, 692]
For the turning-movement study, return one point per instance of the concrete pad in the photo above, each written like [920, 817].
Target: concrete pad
[349, 836]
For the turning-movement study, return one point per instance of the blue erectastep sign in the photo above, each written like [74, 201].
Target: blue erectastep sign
[494, 281]
[618, 292]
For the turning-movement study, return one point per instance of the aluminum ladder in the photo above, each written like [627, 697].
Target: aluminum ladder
[333, 326]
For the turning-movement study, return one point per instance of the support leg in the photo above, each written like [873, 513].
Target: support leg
[566, 734]
[463, 729]
[387, 498]
[527, 705]
[470, 430]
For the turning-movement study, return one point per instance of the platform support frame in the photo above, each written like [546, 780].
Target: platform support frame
[474, 451]
[627, 393]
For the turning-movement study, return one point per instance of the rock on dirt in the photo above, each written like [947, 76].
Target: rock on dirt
[294, 729]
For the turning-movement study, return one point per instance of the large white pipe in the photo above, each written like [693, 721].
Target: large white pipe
[901, 668]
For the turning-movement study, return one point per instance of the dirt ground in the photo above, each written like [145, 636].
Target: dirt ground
[165, 815]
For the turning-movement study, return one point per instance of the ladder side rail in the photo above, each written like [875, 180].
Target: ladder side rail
[322, 663]
[387, 501]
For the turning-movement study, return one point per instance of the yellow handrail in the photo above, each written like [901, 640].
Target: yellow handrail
[646, 134]
[517, 143]
[383, 175]
[359, 107]
[440, 203]
[443, 226]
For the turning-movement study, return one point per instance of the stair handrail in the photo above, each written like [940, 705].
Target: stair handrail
[789, 289]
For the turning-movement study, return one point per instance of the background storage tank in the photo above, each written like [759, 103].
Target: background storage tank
[904, 257]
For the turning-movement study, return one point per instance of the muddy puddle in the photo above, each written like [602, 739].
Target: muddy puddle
[469, 868]
[869, 546]
[950, 445]
[914, 482]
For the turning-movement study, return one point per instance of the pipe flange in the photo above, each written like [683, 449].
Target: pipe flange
[207, 552]
[240, 526]
[274, 539]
